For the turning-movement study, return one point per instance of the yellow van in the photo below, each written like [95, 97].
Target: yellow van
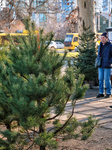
[26, 31]
[72, 40]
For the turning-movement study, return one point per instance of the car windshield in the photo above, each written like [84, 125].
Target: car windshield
[68, 38]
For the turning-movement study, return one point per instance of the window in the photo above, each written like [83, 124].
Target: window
[42, 17]
[35, 3]
[40, 2]
[84, 4]
[105, 5]
[68, 38]
[58, 17]
[75, 39]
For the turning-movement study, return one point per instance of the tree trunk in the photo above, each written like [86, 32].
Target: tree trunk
[42, 147]
[42, 130]
[86, 15]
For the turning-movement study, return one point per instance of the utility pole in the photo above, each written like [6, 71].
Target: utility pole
[109, 3]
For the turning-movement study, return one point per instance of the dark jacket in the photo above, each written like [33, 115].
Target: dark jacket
[106, 55]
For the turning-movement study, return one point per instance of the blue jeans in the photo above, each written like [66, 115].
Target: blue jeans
[104, 74]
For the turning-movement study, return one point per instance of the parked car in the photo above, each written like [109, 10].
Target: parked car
[2, 31]
[19, 31]
[56, 45]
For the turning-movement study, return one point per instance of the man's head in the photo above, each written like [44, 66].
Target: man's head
[104, 38]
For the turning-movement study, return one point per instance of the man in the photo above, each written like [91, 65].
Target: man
[104, 71]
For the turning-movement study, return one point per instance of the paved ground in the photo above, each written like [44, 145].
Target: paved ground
[90, 105]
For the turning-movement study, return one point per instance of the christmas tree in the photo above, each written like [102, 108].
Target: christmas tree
[87, 54]
[33, 93]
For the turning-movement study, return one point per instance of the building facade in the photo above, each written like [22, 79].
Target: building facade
[104, 17]
[107, 6]
[2, 4]
[61, 9]
[44, 15]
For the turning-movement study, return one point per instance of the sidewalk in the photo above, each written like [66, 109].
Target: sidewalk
[90, 105]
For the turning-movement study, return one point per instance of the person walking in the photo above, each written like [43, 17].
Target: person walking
[104, 71]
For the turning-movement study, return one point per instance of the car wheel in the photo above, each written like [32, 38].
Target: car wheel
[70, 50]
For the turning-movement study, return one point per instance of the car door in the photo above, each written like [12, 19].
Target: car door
[57, 45]
[51, 44]
[61, 45]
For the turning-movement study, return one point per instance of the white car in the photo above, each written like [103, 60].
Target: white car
[56, 45]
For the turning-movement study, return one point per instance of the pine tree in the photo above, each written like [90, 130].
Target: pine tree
[87, 54]
[33, 93]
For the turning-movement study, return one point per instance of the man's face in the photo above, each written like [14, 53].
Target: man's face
[104, 39]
